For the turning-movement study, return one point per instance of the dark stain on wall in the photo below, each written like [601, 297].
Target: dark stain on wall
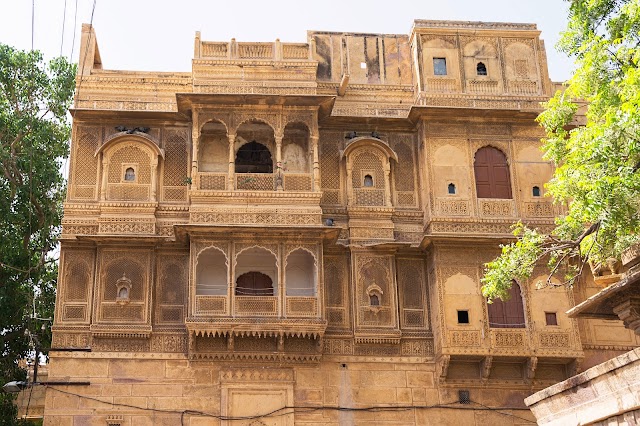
[323, 56]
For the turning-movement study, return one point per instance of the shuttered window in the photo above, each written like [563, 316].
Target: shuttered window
[509, 314]
[492, 173]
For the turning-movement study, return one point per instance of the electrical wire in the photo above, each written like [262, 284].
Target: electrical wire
[287, 410]
[64, 20]
[93, 9]
[75, 27]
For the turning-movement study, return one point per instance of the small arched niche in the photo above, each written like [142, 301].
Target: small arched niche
[255, 144]
[213, 148]
[300, 274]
[295, 148]
[256, 273]
[211, 273]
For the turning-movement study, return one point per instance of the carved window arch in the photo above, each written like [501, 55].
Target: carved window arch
[492, 173]
[129, 168]
[256, 272]
[255, 143]
[300, 273]
[509, 313]
[211, 273]
[368, 163]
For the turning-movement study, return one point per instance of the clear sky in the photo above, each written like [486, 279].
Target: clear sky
[156, 35]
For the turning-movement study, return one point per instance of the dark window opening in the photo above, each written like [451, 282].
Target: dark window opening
[451, 188]
[439, 66]
[253, 157]
[254, 284]
[130, 174]
[481, 69]
[510, 313]
[464, 397]
[463, 317]
[551, 318]
[368, 181]
[374, 300]
[492, 173]
[535, 191]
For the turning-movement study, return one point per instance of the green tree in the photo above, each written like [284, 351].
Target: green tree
[34, 135]
[597, 165]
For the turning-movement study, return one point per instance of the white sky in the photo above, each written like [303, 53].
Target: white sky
[158, 35]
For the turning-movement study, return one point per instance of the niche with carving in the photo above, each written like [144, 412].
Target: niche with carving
[123, 289]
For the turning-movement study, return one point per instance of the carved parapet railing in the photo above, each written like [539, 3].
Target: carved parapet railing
[483, 86]
[465, 338]
[302, 306]
[255, 181]
[256, 306]
[211, 181]
[523, 87]
[211, 305]
[298, 182]
[271, 51]
[453, 207]
[128, 191]
[510, 341]
[442, 85]
[539, 209]
[488, 207]
[369, 197]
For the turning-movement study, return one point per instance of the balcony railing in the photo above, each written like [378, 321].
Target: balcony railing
[275, 51]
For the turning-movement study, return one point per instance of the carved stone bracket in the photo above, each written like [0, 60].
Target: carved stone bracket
[629, 312]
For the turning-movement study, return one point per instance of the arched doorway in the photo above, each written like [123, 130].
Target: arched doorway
[492, 173]
[254, 283]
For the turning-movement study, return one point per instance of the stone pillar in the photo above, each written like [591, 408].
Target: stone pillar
[316, 163]
[387, 185]
[154, 179]
[349, 186]
[232, 162]
[105, 174]
[279, 165]
[195, 141]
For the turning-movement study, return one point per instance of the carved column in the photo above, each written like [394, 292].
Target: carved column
[279, 164]
[195, 141]
[316, 163]
[232, 161]
[349, 186]
[105, 173]
[387, 185]
[154, 179]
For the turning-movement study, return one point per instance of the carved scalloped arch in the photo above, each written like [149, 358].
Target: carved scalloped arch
[306, 248]
[137, 140]
[250, 246]
[209, 247]
[369, 144]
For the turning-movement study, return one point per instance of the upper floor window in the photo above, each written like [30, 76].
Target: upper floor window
[451, 188]
[253, 157]
[368, 181]
[535, 191]
[439, 66]
[492, 173]
[254, 283]
[130, 174]
[481, 69]
[509, 314]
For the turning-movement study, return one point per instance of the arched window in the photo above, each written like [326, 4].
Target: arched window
[509, 314]
[492, 173]
[130, 174]
[300, 274]
[254, 284]
[535, 191]
[211, 273]
[374, 300]
[481, 69]
[451, 188]
[253, 157]
[368, 181]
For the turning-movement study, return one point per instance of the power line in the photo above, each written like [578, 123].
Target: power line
[287, 410]
[64, 20]
[75, 27]
[33, 15]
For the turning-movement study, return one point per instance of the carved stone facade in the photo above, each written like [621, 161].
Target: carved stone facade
[298, 224]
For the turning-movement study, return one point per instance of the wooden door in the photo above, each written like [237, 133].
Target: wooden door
[492, 173]
[254, 284]
[509, 314]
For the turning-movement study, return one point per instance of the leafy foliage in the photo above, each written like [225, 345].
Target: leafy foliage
[597, 165]
[34, 135]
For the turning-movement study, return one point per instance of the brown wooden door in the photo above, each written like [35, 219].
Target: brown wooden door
[254, 284]
[492, 173]
[509, 314]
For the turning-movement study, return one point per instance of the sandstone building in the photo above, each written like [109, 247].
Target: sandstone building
[304, 225]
